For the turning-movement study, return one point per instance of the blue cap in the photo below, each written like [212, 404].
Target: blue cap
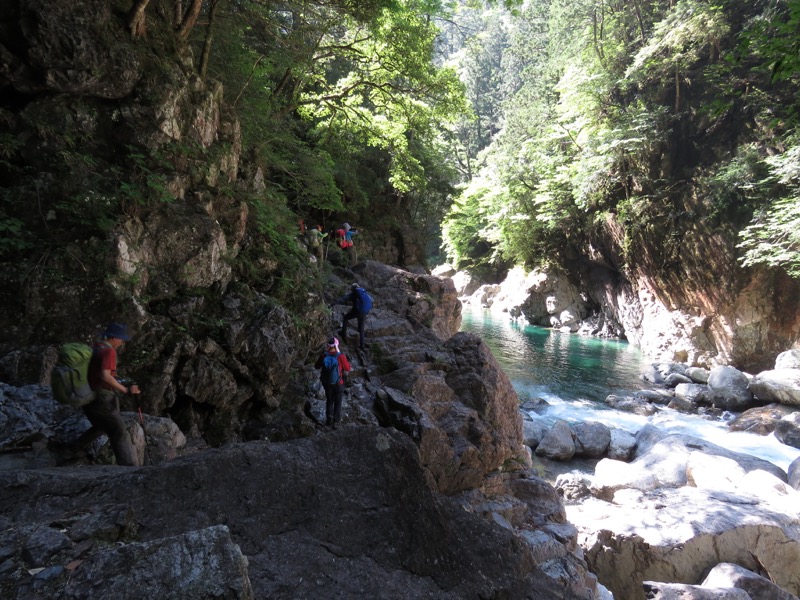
[117, 330]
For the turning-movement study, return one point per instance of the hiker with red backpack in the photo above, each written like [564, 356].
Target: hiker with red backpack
[344, 238]
[362, 304]
[103, 412]
[333, 365]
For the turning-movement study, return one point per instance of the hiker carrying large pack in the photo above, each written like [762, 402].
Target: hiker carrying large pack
[333, 365]
[362, 304]
[102, 410]
[348, 246]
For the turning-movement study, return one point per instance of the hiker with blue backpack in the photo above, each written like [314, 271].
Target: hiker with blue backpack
[333, 365]
[362, 304]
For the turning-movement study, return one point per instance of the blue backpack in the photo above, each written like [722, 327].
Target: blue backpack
[363, 303]
[330, 369]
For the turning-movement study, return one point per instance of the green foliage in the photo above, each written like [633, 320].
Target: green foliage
[274, 260]
[773, 236]
[690, 28]
[341, 102]
[773, 39]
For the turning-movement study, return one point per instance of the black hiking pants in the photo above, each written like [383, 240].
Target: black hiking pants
[333, 402]
[353, 313]
[103, 414]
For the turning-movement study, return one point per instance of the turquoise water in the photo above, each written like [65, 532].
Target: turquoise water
[575, 374]
[547, 364]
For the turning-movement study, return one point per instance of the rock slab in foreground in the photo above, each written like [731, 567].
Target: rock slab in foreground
[342, 515]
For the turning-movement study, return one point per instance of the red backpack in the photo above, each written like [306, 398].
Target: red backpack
[341, 239]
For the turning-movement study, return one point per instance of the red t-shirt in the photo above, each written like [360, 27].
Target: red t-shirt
[104, 358]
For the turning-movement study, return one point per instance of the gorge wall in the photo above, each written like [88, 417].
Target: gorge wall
[730, 316]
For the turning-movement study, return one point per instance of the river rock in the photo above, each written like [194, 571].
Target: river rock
[730, 575]
[693, 393]
[788, 360]
[779, 385]
[698, 374]
[674, 379]
[679, 534]
[558, 443]
[533, 430]
[591, 438]
[655, 396]
[637, 406]
[657, 590]
[573, 486]
[794, 474]
[621, 445]
[728, 389]
[787, 430]
[652, 374]
[760, 420]
[663, 461]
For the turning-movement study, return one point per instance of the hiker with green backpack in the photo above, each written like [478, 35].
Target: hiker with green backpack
[333, 365]
[87, 378]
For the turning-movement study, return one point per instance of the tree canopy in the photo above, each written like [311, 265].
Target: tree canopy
[623, 116]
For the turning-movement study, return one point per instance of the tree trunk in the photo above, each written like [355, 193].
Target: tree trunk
[177, 13]
[190, 19]
[212, 11]
[136, 18]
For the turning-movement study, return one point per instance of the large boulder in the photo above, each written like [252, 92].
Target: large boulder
[349, 511]
[778, 385]
[730, 575]
[558, 443]
[727, 389]
[663, 461]
[679, 534]
[788, 360]
[760, 420]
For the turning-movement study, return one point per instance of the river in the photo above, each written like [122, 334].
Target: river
[574, 374]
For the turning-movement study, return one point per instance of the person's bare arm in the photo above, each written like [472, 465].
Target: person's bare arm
[109, 379]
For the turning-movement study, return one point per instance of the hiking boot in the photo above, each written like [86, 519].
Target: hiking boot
[334, 425]
[328, 422]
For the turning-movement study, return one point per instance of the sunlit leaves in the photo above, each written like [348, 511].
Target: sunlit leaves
[773, 237]
[692, 27]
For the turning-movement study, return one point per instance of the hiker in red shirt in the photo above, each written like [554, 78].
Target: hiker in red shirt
[103, 411]
[333, 365]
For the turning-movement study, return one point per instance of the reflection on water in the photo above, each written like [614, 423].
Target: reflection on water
[575, 374]
[548, 363]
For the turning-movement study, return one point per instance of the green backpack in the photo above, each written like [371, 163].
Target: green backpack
[69, 379]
